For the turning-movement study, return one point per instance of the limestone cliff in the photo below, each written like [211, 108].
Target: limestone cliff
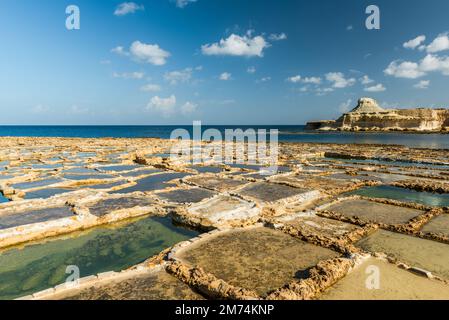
[368, 116]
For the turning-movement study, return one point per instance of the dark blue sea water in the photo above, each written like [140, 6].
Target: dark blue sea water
[287, 134]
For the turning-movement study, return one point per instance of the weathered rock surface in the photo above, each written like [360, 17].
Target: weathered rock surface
[368, 116]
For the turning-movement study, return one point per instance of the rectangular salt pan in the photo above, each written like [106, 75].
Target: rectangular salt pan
[34, 216]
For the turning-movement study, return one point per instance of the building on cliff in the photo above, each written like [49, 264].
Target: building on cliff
[368, 116]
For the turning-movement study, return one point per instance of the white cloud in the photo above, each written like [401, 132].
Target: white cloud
[313, 80]
[366, 80]
[423, 84]
[339, 80]
[183, 3]
[323, 91]
[129, 75]
[413, 70]
[225, 76]
[151, 88]
[105, 62]
[264, 79]
[435, 63]
[414, 43]
[440, 43]
[146, 53]
[174, 77]
[149, 53]
[127, 7]
[251, 70]
[236, 45]
[120, 51]
[377, 88]
[165, 106]
[308, 80]
[405, 69]
[188, 108]
[344, 107]
[277, 37]
[294, 79]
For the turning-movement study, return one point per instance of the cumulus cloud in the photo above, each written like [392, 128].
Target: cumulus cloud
[405, 69]
[236, 45]
[307, 80]
[149, 53]
[142, 52]
[120, 51]
[129, 75]
[414, 43]
[366, 80]
[435, 63]
[377, 88]
[183, 3]
[188, 108]
[174, 77]
[294, 79]
[225, 76]
[127, 8]
[312, 80]
[440, 43]
[264, 79]
[423, 84]
[251, 70]
[323, 91]
[164, 106]
[414, 70]
[339, 81]
[277, 37]
[151, 88]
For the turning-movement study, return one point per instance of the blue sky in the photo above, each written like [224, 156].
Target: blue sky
[218, 61]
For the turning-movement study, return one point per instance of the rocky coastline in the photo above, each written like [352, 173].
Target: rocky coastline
[368, 116]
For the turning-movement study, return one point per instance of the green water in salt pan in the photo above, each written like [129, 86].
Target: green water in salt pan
[406, 195]
[40, 266]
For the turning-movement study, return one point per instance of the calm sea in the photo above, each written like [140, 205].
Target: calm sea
[287, 134]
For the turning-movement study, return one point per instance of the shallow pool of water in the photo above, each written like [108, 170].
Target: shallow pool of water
[406, 195]
[46, 193]
[207, 169]
[36, 184]
[41, 266]
[3, 199]
[119, 168]
[156, 182]
[12, 220]
[393, 163]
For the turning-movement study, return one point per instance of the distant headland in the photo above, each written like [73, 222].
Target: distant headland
[369, 116]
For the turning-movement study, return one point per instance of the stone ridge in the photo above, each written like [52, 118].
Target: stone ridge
[369, 116]
[367, 105]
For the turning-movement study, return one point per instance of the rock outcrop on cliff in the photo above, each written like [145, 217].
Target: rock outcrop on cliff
[369, 116]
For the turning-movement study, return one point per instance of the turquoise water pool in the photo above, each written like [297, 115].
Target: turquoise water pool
[40, 266]
[406, 195]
